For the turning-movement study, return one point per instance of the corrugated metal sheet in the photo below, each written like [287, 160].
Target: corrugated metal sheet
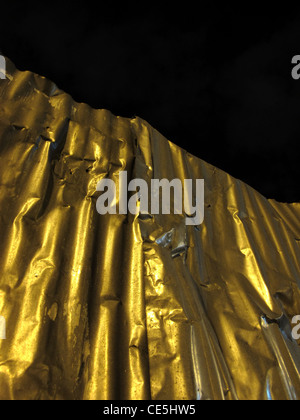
[96, 307]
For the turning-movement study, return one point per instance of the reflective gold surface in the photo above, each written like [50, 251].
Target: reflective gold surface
[96, 307]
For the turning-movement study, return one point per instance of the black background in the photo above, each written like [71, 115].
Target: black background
[216, 83]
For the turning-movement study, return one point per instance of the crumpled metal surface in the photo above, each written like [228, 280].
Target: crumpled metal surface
[130, 307]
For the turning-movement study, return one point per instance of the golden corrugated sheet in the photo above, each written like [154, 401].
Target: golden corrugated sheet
[95, 306]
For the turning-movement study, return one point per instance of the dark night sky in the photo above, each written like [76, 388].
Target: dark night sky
[218, 85]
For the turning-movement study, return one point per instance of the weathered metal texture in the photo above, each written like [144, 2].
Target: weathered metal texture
[107, 307]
